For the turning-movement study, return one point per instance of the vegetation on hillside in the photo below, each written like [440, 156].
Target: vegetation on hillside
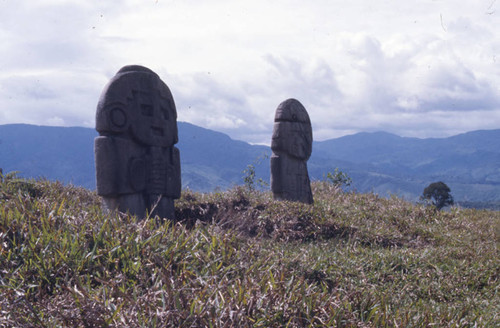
[240, 259]
[438, 194]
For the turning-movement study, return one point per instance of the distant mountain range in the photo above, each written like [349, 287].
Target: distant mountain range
[209, 159]
[381, 162]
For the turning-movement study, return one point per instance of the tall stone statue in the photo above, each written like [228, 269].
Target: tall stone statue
[292, 146]
[137, 165]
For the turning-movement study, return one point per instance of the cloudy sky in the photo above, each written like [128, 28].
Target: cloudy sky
[428, 68]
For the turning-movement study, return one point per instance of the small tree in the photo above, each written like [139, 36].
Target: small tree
[339, 178]
[439, 194]
[249, 174]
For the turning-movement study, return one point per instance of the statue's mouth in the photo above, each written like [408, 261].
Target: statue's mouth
[157, 131]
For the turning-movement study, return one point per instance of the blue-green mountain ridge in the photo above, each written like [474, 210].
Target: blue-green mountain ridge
[380, 162]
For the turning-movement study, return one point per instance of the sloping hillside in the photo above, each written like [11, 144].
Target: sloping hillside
[240, 259]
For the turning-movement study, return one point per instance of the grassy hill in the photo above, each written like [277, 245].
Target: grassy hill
[240, 259]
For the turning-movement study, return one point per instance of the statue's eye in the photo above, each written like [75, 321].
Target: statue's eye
[118, 117]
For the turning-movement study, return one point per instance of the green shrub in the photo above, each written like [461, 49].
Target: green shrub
[338, 178]
[249, 178]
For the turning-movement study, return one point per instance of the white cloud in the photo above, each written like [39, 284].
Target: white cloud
[37, 98]
[419, 68]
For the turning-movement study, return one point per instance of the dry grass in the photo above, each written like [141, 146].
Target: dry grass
[240, 259]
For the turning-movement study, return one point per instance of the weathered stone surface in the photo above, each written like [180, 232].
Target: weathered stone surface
[137, 165]
[292, 146]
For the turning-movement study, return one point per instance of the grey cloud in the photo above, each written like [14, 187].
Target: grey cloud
[28, 87]
[51, 62]
[445, 82]
[311, 79]
[245, 108]
[456, 88]
[353, 80]
[390, 96]
[41, 98]
[52, 35]
[205, 101]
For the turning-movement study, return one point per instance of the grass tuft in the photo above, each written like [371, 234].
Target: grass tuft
[239, 258]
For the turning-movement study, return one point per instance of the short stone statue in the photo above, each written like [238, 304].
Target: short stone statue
[292, 146]
[137, 165]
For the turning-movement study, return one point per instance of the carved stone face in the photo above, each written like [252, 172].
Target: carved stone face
[137, 104]
[292, 133]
